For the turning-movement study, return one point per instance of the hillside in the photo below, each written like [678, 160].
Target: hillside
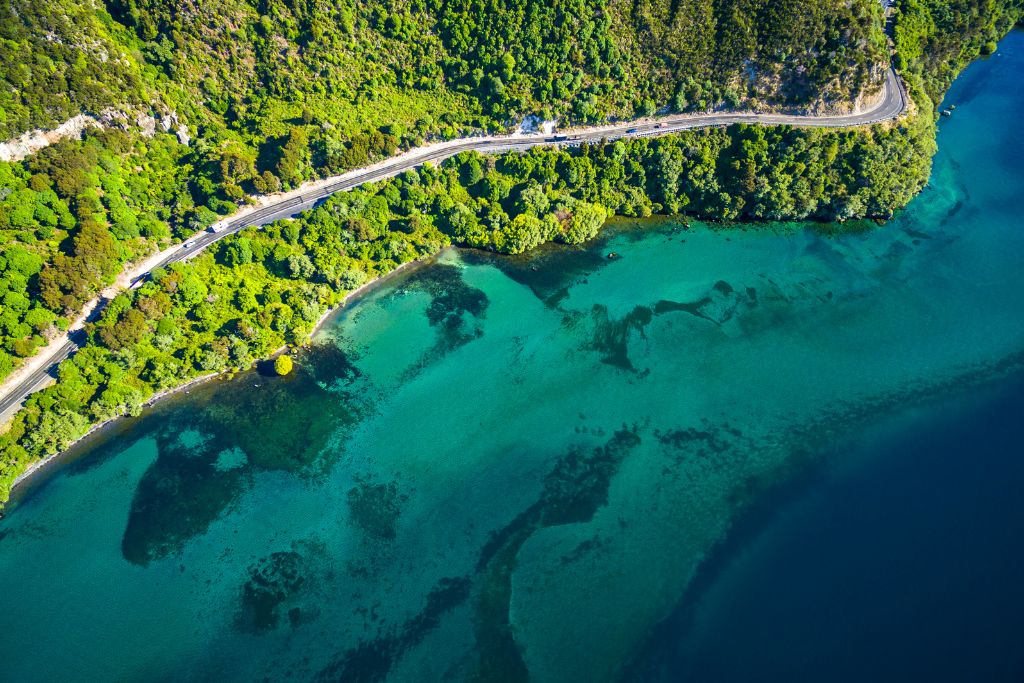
[254, 66]
[936, 39]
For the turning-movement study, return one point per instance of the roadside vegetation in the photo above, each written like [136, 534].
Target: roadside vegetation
[263, 288]
[275, 92]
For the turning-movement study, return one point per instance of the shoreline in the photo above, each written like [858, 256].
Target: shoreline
[608, 229]
[366, 288]
[436, 151]
[39, 467]
[35, 467]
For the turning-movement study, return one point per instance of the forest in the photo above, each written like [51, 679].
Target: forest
[72, 215]
[936, 39]
[255, 66]
[301, 89]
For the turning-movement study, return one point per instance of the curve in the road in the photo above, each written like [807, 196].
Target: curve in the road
[892, 104]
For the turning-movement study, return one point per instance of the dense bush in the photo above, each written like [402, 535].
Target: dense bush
[71, 216]
[262, 288]
[300, 89]
[258, 66]
[935, 39]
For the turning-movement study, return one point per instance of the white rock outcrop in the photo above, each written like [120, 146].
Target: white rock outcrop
[31, 142]
[34, 140]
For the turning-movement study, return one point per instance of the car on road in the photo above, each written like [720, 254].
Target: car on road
[187, 245]
[631, 131]
[218, 226]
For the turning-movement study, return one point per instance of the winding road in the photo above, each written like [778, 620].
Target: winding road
[890, 106]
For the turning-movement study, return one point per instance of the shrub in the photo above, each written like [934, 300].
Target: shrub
[283, 365]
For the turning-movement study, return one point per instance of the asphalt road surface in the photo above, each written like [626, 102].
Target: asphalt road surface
[891, 106]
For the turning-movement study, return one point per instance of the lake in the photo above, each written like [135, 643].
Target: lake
[747, 453]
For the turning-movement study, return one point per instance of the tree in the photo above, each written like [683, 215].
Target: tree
[507, 66]
[6, 364]
[192, 289]
[585, 222]
[23, 261]
[266, 183]
[300, 266]
[294, 152]
[126, 332]
[524, 233]
[283, 365]
[471, 171]
[238, 252]
[533, 199]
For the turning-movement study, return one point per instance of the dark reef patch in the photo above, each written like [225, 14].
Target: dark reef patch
[282, 424]
[278, 424]
[720, 305]
[578, 485]
[592, 544]
[455, 310]
[723, 288]
[916, 234]
[702, 443]
[375, 508]
[372, 660]
[550, 270]
[499, 659]
[555, 299]
[272, 580]
[611, 337]
[451, 297]
[281, 588]
[331, 368]
[712, 448]
[694, 308]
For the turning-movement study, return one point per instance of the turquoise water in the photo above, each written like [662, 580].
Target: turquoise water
[497, 469]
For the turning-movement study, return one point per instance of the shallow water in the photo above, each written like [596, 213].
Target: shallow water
[501, 468]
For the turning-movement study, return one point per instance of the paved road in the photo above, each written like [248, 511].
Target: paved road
[38, 379]
[891, 106]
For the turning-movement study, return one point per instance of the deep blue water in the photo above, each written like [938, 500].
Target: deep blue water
[902, 565]
[900, 558]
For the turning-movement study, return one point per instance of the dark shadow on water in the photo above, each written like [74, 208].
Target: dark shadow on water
[236, 430]
[551, 269]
